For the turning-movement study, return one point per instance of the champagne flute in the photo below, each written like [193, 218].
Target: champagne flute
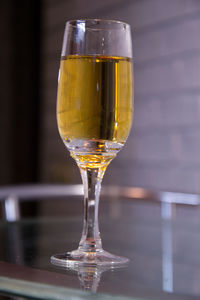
[94, 115]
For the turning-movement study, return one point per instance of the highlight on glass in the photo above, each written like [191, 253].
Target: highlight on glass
[94, 115]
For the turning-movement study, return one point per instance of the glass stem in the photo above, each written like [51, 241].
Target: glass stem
[91, 240]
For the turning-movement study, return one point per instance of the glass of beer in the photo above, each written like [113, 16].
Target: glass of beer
[94, 115]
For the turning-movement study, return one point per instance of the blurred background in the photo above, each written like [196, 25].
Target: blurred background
[163, 149]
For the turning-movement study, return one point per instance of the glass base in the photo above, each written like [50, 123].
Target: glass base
[98, 258]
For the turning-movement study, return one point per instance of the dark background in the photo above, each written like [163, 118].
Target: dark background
[162, 151]
[20, 27]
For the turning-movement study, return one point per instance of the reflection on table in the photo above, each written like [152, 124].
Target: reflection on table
[159, 232]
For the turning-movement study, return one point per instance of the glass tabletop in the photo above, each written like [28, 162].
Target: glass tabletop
[161, 239]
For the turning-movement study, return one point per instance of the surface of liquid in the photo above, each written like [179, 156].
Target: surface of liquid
[95, 99]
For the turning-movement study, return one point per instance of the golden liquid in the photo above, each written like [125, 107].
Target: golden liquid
[95, 98]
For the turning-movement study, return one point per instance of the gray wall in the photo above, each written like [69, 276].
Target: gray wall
[163, 149]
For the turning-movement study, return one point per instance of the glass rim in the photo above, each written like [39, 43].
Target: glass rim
[97, 20]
